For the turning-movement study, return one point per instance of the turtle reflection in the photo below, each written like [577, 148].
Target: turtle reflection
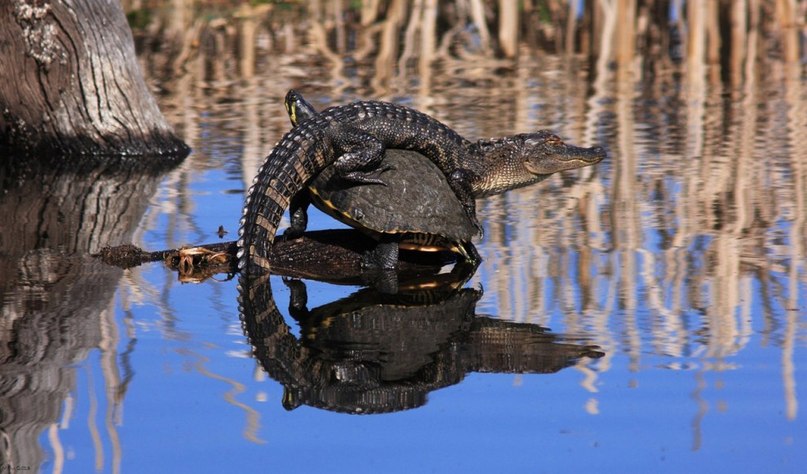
[375, 352]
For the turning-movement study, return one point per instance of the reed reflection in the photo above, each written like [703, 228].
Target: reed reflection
[686, 244]
[375, 352]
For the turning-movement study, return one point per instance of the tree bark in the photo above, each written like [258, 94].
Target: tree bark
[70, 83]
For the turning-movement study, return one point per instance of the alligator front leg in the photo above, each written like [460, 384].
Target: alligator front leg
[461, 182]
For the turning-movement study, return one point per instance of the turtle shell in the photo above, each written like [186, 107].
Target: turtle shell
[416, 202]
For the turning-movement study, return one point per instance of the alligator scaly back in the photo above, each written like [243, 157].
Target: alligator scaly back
[402, 127]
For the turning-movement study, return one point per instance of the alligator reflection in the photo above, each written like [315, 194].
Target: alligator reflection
[375, 352]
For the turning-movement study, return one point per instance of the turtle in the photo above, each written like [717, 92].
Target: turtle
[433, 219]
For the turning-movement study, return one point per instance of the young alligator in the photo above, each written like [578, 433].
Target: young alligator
[357, 134]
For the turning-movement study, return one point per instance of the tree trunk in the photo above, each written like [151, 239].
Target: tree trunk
[70, 83]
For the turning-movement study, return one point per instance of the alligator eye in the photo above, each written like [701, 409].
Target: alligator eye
[544, 140]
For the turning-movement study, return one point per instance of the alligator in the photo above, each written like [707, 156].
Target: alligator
[353, 138]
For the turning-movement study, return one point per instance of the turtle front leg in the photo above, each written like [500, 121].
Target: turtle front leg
[384, 256]
[298, 299]
[298, 211]
[471, 254]
[461, 182]
[380, 265]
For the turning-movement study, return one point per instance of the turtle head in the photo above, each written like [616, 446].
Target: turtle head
[526, 158]
[298, 108]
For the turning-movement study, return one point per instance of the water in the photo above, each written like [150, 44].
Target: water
[681, 257]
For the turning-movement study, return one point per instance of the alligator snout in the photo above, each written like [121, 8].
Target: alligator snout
[595, 154]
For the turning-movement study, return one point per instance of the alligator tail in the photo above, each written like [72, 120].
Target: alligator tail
[297, 157]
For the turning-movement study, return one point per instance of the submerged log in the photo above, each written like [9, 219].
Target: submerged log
[70, 83]
[328, 255]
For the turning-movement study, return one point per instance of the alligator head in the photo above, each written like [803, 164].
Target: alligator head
[523, 159]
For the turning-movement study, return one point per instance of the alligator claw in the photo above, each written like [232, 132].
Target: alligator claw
[479, 229]
[366, 177]
[361, 178]
[471, 213]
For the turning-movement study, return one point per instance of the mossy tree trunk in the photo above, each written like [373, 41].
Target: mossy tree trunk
[70, 83]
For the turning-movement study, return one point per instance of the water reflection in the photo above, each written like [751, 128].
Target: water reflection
[686, 244]
[56, 298]
[374, 352]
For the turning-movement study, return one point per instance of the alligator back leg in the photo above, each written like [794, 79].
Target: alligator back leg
[298, 214]
[365, 154]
